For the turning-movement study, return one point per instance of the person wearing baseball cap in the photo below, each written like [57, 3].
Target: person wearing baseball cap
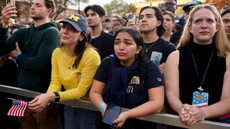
[187, 8]
[77, 21]
[74, 64]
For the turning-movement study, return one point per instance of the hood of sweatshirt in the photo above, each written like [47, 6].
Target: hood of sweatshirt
[44, 26]
[34, 30]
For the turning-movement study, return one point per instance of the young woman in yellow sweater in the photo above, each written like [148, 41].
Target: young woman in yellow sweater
[73, 67]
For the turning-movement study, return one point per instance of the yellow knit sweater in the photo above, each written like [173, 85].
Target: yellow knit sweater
[76, 81]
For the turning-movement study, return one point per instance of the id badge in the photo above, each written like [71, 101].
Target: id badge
[200, 100]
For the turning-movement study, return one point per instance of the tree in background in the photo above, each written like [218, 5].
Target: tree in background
[219, 3]
[119, 7]
[61, 5]
[23, 6]
[78, 3]
[20, 5]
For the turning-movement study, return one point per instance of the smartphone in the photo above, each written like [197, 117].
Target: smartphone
[111, 113]
[133, 18]
[9, 2]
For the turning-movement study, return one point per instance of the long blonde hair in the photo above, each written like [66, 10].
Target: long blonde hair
[220, 39]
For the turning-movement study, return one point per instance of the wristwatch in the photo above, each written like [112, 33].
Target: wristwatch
[57, 97]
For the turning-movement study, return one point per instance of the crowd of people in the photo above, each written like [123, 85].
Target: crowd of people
[158, 62]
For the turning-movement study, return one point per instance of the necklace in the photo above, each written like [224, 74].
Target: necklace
[146, 49]
[194, 62]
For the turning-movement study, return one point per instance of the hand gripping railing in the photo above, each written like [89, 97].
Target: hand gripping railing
[158, 118]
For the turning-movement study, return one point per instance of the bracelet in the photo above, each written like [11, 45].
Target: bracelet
[18, 55]
[102, 104]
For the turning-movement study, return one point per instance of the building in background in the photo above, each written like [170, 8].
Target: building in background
[24, 17]
[160, 4]
[68, 12]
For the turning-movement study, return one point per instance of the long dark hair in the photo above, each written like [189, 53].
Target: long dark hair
[139, 42]
[80, 48]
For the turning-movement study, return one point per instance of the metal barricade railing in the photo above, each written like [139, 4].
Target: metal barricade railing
[167, 119]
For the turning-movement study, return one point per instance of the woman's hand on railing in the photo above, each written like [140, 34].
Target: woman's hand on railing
[184, 116]
[196, 113]
[189, 115]
[40, 102]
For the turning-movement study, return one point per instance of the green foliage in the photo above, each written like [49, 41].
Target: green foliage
[131, 9]
[24, 5]
[119, 7]
[61, 5]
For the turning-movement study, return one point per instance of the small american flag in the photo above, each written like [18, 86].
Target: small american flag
[18, 108]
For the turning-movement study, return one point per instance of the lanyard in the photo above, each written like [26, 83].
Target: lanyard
[194, 62]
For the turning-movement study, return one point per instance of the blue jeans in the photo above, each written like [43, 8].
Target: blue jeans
[79, 118]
